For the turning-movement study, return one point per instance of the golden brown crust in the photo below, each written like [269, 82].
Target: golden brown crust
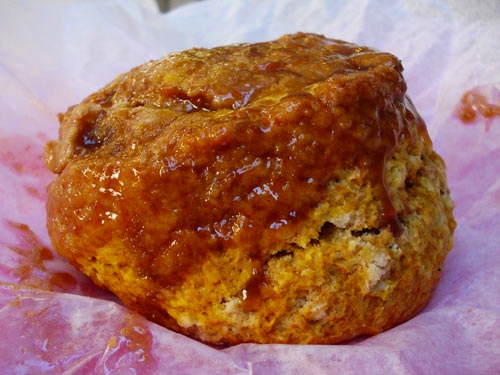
[276, 192]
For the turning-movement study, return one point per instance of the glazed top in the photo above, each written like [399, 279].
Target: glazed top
[231, 147]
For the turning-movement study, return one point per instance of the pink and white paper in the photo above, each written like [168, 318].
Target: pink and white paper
[55, 52]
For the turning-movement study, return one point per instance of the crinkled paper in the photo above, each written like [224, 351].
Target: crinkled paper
[54, 53]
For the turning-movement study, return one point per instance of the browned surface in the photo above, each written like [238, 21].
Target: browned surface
[183, 160]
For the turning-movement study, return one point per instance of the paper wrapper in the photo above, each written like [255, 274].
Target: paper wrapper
[54, 53]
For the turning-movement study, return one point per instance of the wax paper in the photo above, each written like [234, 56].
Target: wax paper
[54, 53]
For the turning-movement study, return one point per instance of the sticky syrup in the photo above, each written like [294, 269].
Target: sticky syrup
[474, 104]
[32, 270]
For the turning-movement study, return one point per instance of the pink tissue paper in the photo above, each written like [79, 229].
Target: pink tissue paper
[53, 53]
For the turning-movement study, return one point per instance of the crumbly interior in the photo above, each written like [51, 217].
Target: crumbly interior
[313, 249]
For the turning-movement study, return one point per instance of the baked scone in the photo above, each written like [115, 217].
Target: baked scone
[278, 192]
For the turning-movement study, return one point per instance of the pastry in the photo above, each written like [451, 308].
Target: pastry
[276, 192]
